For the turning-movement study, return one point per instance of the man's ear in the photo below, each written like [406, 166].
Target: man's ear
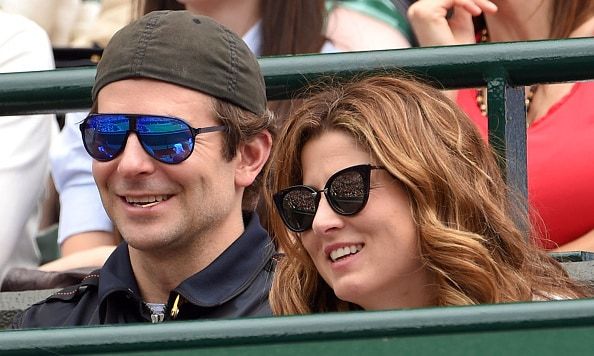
[252, 156]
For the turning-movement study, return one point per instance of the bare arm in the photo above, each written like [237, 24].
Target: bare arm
[88, 249]
[582, 243]
[93, 257]
[350, 30]
[87, 240]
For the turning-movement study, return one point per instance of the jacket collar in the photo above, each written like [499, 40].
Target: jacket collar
[116, 275]
[227, 276]
[234, 270]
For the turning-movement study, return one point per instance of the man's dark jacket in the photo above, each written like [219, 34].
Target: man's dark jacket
[236, 284]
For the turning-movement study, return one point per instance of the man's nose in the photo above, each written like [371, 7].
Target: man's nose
[134, 160]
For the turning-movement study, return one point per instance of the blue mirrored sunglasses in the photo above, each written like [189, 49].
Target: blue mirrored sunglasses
[166, 139]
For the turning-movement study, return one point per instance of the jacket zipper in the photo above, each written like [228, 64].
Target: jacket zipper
[157, 312]
[158, 316]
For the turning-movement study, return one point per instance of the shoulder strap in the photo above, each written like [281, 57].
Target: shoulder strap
[75, 291]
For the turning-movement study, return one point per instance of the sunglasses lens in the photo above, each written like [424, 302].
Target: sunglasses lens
[348, 191]
[298, 208]
[166, 139]
[104, 137]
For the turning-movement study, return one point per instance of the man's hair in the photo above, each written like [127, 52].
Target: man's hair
[242, 127]
[467, 236]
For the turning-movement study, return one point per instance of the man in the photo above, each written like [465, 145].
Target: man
[179, 131]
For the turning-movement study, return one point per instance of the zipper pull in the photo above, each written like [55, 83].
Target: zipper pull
[175, 308]
[157, 318]
[157, 312]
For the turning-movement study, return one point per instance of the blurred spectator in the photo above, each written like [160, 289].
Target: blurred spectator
[24, 143]
[81, 211]
[560, 117]
[113, 14]
[63, 20]
[272, 27]
[360, 25]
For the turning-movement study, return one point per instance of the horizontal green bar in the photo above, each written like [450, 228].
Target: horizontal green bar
[522, 63]
[60, 90]
[410, 329]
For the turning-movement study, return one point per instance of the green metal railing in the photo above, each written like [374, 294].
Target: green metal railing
[543, 328]
[503, 67]
[519, 63]
[536, 328]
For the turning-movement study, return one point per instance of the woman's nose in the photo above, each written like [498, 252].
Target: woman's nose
[326, 219]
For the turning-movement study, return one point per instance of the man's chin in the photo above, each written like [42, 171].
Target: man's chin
[148, 241]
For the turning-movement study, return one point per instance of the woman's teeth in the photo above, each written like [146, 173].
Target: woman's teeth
[344, 251]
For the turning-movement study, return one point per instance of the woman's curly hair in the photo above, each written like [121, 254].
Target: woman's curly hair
[472, 230]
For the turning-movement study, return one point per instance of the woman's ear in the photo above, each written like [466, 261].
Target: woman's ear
[252, 158]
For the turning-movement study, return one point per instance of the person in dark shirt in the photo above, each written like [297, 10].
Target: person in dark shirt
[179, 132]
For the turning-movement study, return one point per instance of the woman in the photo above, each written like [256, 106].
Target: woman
[388, 198]
[559, 173]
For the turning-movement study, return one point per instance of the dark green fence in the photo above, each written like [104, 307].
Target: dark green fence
[534, 328]
[543, 328]
[503, 67]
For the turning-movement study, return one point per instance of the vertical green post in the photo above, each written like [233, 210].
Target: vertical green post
[507, 135]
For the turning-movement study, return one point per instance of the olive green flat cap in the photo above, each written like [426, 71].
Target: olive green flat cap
[188, 50]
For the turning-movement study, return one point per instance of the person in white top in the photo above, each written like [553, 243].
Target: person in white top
[24, 145]
[63, 20]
